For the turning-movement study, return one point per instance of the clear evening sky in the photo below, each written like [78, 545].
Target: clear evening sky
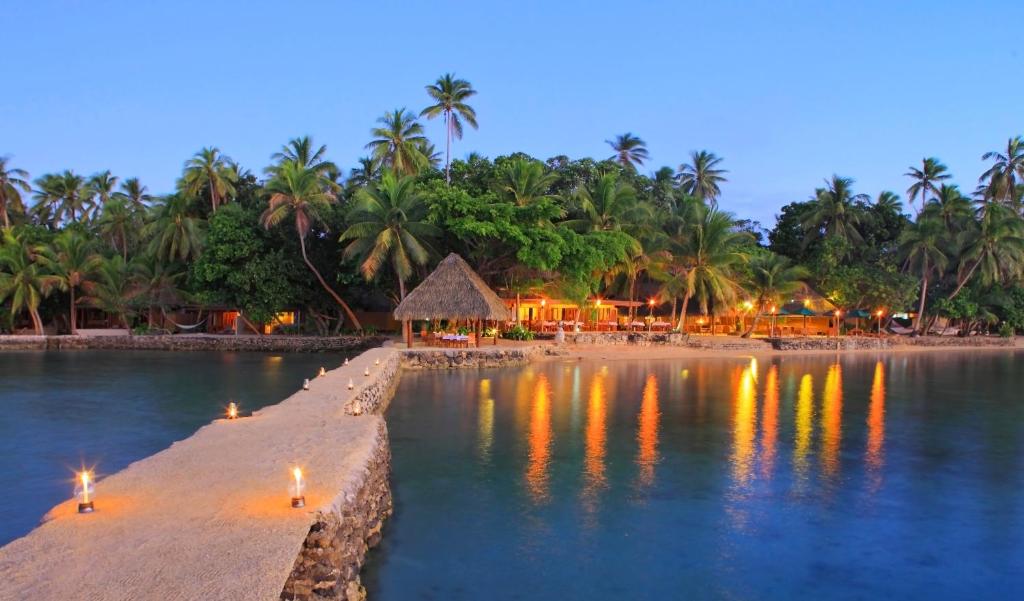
[787, 92]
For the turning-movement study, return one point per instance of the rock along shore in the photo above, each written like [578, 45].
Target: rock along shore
[192, 342]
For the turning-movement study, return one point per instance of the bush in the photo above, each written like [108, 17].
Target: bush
[1006, 330]
[517, 332]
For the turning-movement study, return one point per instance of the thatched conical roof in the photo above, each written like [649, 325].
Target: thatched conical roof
[453, 291]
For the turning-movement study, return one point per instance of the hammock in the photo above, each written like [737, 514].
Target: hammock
[183, 326]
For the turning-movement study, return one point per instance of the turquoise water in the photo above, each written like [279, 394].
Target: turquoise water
[62, 410]
[865, 477]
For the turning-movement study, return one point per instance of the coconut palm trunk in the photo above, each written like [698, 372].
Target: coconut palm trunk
[924, 293]
[323, 282]
[753, 325]
[448, 148]
[74, 317]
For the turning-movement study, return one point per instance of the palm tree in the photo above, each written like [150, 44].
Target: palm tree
[13, 182]
[300, 191]
[524, 182]
[175, 235]
[701, 176]
[63, 196]
[449, 96]
[112, 290]
[303, 151]
[922, 246]
[630, 151]
[21, 279]
[949, 206]
[102, 185]
[999, 182]
[72, 262]
[607, 205]
[772, 278]
[835, 212]
[399, 143]
[134, 193]
[210, 171]
[926, 180]
[389, 225]
[117, 222]
[157, 284]
[994, 250]
[708, 256]
[889, 201]
[367, 171]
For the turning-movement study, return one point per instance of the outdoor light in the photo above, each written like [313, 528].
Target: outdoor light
[773, 309]
[598, 302]
[85, 491]
[232, 410]
[305, 384]
[651, 302]
[297, 487]
[879, 313]
[346, 360]
[323, 372]
[376, 361]
[838, 312]
[543, 302]
[351, 384]
[366, 371]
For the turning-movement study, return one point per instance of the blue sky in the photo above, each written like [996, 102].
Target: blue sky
[787, 92]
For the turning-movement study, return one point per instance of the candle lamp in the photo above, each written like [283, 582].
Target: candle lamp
[85, 491]
[351, 384]
[297, 488]
[323, 372]
[376, 361]
[305, 384]
[346, 360]
[232, 410]
[366, 371]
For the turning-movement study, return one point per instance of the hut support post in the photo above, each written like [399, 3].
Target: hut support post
[407, 329]
[477, 337]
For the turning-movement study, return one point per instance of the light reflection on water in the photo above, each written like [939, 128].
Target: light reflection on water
[717, 478]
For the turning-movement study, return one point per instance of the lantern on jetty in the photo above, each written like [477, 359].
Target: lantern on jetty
[351, 384]
[376, 361]
[232, 410]
[346, 360]
[85, 491]
[323, 372]
[305, 384]
[297, 488]
[366, 371]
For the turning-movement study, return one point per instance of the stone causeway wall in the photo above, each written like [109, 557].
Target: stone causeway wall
[193, 342]
[951, 341]
[333, 553]
[445, 358]
[374, 395]
[843, 343]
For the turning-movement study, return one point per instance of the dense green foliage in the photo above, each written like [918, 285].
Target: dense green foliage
[305, 236]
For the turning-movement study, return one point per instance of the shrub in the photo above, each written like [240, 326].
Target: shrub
[518, 332]
[1006, 330]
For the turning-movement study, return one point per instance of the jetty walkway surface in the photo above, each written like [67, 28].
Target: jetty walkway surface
[209, 517]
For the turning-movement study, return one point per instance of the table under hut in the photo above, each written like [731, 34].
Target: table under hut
[452, 293]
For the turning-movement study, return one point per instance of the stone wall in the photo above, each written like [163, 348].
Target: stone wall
[375, 395]
[951, 341]
[664, 339]
[444, 358]
[843, 343]
[193, 342]
[334, 550]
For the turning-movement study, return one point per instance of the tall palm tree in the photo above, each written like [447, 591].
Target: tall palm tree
[994, 250]
[607, 205]
[399, 142]
[117, 223]
[949, 206]
[63, 197]
[926, 180]
[72, 261]
[835, 212]
[174, 233]
[22, 280]
[449, 95]
[303, 151]
[524, 182]
[710, 254]
[134, 193]
[157, 284]
[13, 182]
[389, 226]
[1000, 181]
[211, 172]
[922, 246]
[889, 200]
[702, 175]
[367, 171]
[630, 151]
[771, 279]
[300, 192]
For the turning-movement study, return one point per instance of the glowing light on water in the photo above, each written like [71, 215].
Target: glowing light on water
[647, 432]
[539, 439]
[744, 418]
[485, 422]
[832, 419]
[804, 415]
[770, 421]
[595, 438]
[876, 421]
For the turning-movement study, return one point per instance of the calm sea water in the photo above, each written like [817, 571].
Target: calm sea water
[62, 410]
[862, 477]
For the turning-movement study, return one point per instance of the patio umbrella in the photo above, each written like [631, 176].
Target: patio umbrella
[806, 313]
[859, 314]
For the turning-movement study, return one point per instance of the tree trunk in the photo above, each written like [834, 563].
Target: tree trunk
[401, 289]
[74, 318]
[448, 150]
[672, 315]
[632, 300]
[343, 304]
[920, 308]
[37, 322]
[967, 278]
[753, 325]
[3, 211]
[682, 312]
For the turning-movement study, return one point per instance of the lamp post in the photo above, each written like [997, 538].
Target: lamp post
[879, 313]
[838, 315]
[772, 335]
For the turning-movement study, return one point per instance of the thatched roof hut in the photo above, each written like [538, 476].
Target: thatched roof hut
[453, 291]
